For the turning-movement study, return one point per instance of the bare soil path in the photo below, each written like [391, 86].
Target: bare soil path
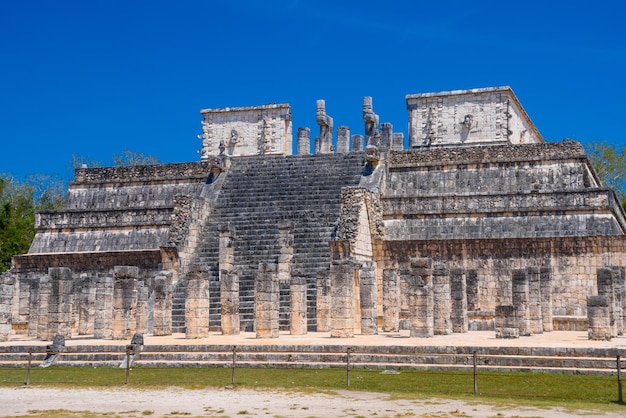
[225, 402]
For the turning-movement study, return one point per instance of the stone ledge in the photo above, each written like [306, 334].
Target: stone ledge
[51, 220]
[92, 260]
[487, 154]
[579, 201]
[137, 173]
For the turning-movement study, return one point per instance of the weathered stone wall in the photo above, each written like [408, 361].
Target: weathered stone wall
[252, 130]
[536, 190]
[468, 117]
[118, 208]
[572, 261]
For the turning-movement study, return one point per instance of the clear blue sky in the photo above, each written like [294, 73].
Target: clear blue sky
[94, 78]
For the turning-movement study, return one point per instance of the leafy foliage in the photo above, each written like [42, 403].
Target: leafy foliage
[128, 157]
[17, 218]
[610, 164]
[20, 200]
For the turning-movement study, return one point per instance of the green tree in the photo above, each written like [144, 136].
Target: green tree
[18, 203]
[128, 157]
[610, 164]
[17, 219]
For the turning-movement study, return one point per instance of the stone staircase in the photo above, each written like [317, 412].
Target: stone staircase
[258, 193]
[460, 358]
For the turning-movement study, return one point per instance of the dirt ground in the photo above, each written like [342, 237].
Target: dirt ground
[225, 402]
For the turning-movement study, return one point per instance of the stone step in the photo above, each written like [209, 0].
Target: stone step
[371, 357]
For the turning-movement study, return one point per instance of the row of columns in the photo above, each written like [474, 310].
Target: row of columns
[114, 305]
[606, 311]
[347, 299]
[349, 143]
[531, 309]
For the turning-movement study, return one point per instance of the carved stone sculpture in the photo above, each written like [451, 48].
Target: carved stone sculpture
[326, 127]
[371, 122]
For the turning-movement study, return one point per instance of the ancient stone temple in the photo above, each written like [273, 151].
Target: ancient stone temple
[471, 223]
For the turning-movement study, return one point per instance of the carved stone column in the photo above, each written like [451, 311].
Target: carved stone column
[357, 143]
[521, 300]
[7, 285]
[163, 295]
[397, 141]
[229, 283]
[60, 302]
[125, 297]
[103, 307]
[391, 301]
[473, 301]
[229, 300]
[506, 322]
[458, 296]
[45, 290]
[29, 296]
[618, 291]
[421, 298]
[297, 289]
[323, 301]
[546, 299]
[342, 282]
[386, 133]
[441, 295]
[534, 299]
[86, 306]
[197, 302]
[368, 298]
[267, 301]
[343, 139]
[605, 288]
[325, 123]
[304, 141]
[143, 295]
[285, 241]
[598, 318]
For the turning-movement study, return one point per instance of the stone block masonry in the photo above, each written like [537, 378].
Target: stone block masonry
[323, 301]
[229, 298]
[421, 298]
[534, 299]
[60, 302]
[458, 296]
[297, 289]
[546, 299]
[7, 284]
[343, 301]
[391, 300]
[521, 300]
[441, 300]
[599, 318]
[197, 302]
[125, 299]
[506, 322]
[162, 314]
[368, 299]
[103, 315]
[267, 301]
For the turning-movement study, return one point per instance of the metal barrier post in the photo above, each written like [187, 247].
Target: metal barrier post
[232, 378]
[475, 374]
[348, 367]
[127, 364]
[30, 359]
[619, 381]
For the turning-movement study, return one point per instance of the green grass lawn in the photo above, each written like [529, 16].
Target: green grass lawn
[521, 388]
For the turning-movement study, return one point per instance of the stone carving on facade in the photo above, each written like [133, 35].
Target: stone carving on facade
[431, 126]
[326, 127]
[371, 119]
